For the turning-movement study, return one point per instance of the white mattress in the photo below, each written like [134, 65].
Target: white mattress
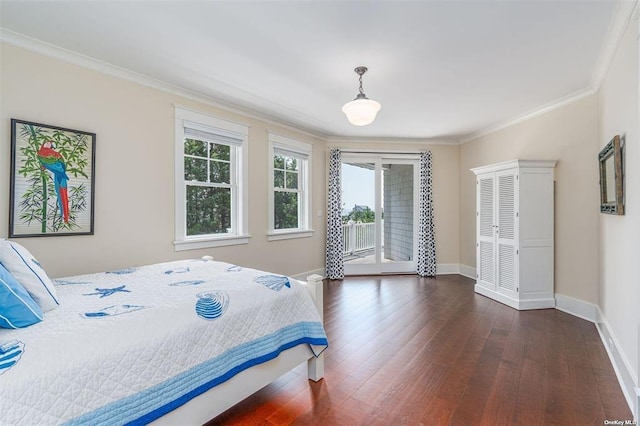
[129, 346]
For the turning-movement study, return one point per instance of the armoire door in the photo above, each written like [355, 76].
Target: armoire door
[506, 233]
[514, 229]
[485, 223]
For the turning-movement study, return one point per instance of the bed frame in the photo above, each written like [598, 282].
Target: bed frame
[205, 407]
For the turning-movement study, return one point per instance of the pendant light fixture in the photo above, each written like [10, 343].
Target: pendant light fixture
[362, 110]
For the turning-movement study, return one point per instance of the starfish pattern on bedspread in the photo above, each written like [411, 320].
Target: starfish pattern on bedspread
[182, 270]
[104, 292]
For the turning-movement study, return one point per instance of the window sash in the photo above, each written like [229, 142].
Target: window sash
[287, 184]
[300, 191]
[194, 125]
[231, 186]
[285, 173]
[210, 160]
[298, 217]
[208, 217]
[209, 184]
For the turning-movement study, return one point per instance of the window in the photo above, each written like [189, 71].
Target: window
[210, 172]
[289, 204]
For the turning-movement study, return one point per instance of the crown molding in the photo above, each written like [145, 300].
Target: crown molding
[65, 55]
[551, 106]
[622, 17]
[337, 140]
[625, 12]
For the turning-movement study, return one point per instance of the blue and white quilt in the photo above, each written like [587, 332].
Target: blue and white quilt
[129, 346]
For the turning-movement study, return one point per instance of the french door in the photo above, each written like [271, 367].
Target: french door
[380, 213]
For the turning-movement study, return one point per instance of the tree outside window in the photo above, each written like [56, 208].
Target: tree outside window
[207, 175]
[287, 192]
[211, 173]
[289, 188]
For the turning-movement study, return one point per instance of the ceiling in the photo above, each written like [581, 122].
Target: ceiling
[440, 69]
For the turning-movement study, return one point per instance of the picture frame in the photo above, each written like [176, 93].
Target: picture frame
[611, 177]
[52, 186]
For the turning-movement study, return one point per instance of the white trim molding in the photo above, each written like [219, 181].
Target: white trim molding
[287, 235]
[621, 366]
[551, 106]
[52, 51]
[302, 152]
[185, 121]
[592, 313]
[577, 308]
[210, 242]
[636, 413]
[624, 14]
[467, 271]
[341, 141]
[447, 268]
[624, 372]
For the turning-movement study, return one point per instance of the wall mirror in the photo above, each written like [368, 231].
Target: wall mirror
[611, 178]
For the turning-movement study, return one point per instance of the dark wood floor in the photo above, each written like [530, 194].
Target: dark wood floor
[429, 351]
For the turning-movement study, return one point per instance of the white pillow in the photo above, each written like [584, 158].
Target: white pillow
[28, 272]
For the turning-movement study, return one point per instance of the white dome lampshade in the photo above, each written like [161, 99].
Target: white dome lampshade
[362, 110]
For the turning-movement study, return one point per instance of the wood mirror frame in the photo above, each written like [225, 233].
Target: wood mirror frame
[611, 178]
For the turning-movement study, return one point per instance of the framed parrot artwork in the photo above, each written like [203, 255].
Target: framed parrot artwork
[52, 180]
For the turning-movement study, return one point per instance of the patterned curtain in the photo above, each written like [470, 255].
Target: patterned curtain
[334, 265]
[426, 233]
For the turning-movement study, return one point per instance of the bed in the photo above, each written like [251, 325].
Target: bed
[170, 343]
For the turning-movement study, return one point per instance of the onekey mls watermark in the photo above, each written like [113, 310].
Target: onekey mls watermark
[620, 422]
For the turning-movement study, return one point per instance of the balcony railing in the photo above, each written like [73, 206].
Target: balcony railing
[358, 237]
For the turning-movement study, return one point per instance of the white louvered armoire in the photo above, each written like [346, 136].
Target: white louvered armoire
[514, 233]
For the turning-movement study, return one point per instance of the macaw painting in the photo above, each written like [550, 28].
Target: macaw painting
[51, 180]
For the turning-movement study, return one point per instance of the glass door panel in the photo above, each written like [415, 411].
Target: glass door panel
[379, 217]
[359, 214]
[398, 212]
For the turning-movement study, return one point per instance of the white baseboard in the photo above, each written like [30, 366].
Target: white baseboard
[467, 271]
[441, 269]
[621, 365]
[624, 373]
[518, 304]
[577, 308]
[446, 268]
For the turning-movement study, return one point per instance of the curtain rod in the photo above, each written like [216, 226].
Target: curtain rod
[382, 151]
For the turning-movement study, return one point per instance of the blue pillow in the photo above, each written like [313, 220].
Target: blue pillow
[17, 307]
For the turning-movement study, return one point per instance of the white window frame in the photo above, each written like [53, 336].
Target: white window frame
[302, 152]
[185, 118]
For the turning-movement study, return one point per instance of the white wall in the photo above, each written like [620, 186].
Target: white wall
[568, 135]
[134, 216]
[134, 174]
[619, 236]
[596, 254]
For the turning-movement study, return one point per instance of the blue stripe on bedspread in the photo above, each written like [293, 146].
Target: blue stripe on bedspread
[153, 403]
